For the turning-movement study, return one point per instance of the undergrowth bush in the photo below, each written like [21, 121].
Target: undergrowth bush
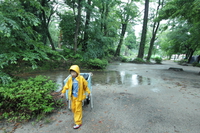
[125, 59]
[49, 65]
[97, 63]
[158, 60]
[183, 61]
[27, 99]
[138, 60]
[195, 64]
[4, 78]
[69, 54]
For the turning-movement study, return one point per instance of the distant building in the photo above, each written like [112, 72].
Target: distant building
[195, 58]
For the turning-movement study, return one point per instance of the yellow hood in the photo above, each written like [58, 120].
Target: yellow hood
[83, 85]
[75, 68]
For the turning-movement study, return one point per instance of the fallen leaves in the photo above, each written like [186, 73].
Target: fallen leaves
[59, 121]
[15, 126]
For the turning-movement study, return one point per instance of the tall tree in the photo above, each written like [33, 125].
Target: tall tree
[87, 23]
[187, 12]
[44, 13]
[76, 6]
[19, 41]
[144, 31]
[130, 40]
[103, 31]
[156, 25]
[67, 28]
[47, 12]
[78, 23]
[127, 13]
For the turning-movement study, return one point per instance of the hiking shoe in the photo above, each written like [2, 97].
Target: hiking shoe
[77, 126]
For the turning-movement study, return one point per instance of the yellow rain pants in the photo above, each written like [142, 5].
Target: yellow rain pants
[76, 107]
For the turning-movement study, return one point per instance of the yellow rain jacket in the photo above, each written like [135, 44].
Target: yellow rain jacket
[82, 83]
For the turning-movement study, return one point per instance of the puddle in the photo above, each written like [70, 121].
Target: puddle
[119, 77]
[101, 77]
[155, 90]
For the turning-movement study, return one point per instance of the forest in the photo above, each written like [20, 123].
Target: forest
[40, 31]
[51, 34]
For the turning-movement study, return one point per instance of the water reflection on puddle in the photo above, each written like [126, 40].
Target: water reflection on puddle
[101, 77]
[121, 77]
[155, 90]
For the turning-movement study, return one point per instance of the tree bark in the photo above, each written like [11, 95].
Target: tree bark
[124, 26]
[106, 17]
[46, 25]
[87, 22]
[154, 31]
[102, 15]
[124, 22]
[190, 56]
[47, 31]
[78, 22]
[144, 31]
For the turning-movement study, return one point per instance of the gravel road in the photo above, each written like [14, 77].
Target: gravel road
[159, 101]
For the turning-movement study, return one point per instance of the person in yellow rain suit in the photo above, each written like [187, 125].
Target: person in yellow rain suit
[76, 86]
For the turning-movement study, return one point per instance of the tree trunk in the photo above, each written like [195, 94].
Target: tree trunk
[190, 56]
[151, 46]
[144, 31]
[124, 27]
[87, 22]
[60, 40]
[117, 53]
[106, 17]
[50, 39]
[102, 16]
[46, 24]
[154, 32]
[78, 22]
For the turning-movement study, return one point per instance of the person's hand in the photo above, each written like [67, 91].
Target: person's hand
[62, 95]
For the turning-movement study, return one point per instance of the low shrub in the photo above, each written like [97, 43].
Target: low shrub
[138, 60]
[27, 99]
[125, 59]
[69, 54]
[158, 60]
[195, 64]
[4, 78]
[97, 63]
[182, 61]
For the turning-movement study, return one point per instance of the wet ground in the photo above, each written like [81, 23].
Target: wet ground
[102, 77]
[132, 98]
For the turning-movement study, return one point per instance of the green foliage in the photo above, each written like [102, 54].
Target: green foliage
[130, 40]
[5, 78]
[138, 60]
[53, 55]
[97, 63]
[182, 61]
[42, 59]
[69, 54]
[26, 99]
[185, 19]
[125, 59]
[19, 40]
[158, 60]
[198, 65]
[67, 28]
[195, 64]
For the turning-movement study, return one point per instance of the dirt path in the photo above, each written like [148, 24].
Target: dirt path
[168, 102]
